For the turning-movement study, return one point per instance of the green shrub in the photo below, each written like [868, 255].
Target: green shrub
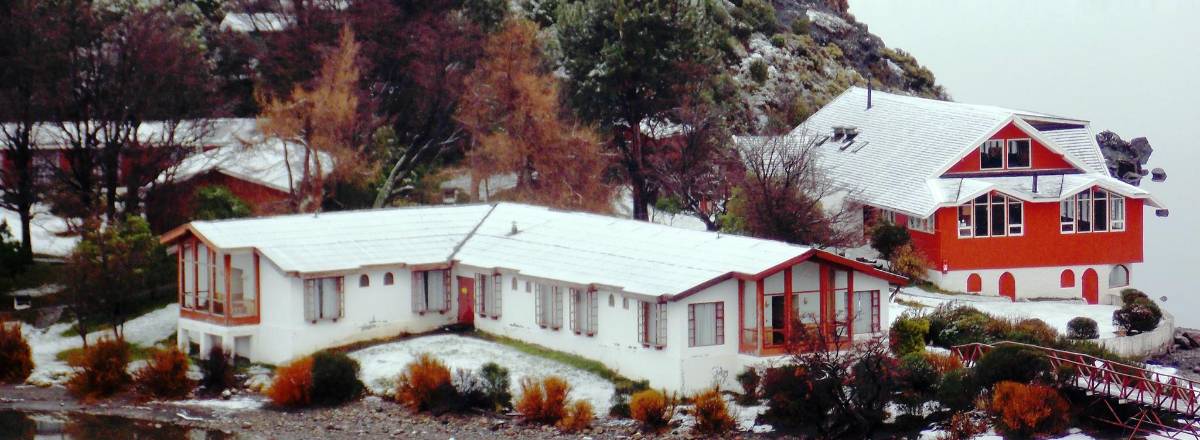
[1138, 316]
[496, 385]
[1082, 328]
[970, 328]
[1128, 296]
[908, 334]
[758, 70]
[1014, 363]
[1032, 331]
[779, 40]
[749, 380]
[957, 390]
[218, 202]
[759, 15]
[801, 23]
[918, 380]
[217, 370]
[334, 378]
[886, 238]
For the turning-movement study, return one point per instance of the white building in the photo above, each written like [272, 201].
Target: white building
[674, 306]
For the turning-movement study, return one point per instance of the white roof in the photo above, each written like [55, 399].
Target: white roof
[905, 143]
[580, 248]
[262, 162]
[202, 132]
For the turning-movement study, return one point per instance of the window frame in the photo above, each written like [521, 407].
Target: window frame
[1008, 153]
[1115, 208]
[315, 286]
[989, 204]
[364, 280]
[1003, 154]
[421, 291]
[922, 224]
[718, 323]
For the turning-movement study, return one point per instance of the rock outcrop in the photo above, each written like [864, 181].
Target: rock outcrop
[1126, 160]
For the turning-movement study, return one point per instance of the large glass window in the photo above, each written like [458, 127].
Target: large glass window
[429, 291]
[1084, 220]
[991, 155]
[1018, 153]
[965, 222]
[1094, 210]
[1066, 215]
[866, 312]
[994, 215]
[1118, 212]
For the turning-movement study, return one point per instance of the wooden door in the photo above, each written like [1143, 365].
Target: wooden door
[1091, 286]
[1008, 286]
[466, 300]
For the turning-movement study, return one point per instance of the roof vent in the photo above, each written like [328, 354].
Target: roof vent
[838, 132]
[851, 133]
[514, 229]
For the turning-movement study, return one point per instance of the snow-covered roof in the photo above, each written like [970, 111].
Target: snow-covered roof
[904, 144]
[262, 162]
[256, 22]
[580, 248]
[195, 132]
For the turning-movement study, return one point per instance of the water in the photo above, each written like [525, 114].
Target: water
[17, 425]
[1130, 67]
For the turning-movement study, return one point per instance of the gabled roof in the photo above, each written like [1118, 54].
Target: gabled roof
[904, 144]
[574, 247]
[258, 161]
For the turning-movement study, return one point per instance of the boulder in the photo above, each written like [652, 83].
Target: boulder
[1182, 343]
[1158, 175]
[1193, 340]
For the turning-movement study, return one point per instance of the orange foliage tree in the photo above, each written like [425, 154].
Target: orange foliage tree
[1027, 410]
[511, 110]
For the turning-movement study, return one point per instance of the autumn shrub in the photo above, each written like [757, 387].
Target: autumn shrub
[1082, 328]
[909, 261]
[164, 376]
[908, 334]
[650, 408]
[749, 380]
[496, 385]
[578, 417]
[543, 401]
[1027, 410]
[711, 412]
[944, 362]
[957, 390]
[292, 386]
[963, 426]
[100, 371]
[217, 370]
[620, 400]
[16, 361]
[424, 385]
[334, 378]
[1011, 363]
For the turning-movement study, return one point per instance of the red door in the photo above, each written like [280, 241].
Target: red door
[1091, 286]
[466, 300]
[1008, 286]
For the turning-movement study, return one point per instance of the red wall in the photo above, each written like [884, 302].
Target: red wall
[171, 205]
[1042, 158]
[1042, 244]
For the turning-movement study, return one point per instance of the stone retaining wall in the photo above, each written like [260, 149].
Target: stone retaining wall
[1150, 343]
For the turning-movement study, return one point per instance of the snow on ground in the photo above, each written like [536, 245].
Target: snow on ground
[1055, 313]
[381, 364]
[44, 230]
[234, 404]
[46, 343]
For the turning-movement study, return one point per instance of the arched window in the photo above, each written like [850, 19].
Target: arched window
[1067, 279]
[388, 279]
[974, 283]
[364, 281]
[612, 301]
[1119, 277]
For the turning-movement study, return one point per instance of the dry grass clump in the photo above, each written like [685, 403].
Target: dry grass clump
[16, 361]
[164, 376]
[100, 370]
[712, 414]
[424, 384]
[292, 386]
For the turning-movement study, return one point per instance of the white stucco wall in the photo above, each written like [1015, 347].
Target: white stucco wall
[1036, 282]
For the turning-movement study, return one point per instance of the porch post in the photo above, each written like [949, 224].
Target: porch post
[228, 284]
[760, 300]
[826, 287]
[787, 304]
[850, 305]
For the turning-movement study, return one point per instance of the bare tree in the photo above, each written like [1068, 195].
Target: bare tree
[786, 194]
[699, 165]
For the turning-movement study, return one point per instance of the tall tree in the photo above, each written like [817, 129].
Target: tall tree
[698, 166]
[628, 61]
[787, 196]
[325, 123]
[511, 111]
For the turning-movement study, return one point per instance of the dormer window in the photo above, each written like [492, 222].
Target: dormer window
[991, 155]
[997, 154]
[1018, 153]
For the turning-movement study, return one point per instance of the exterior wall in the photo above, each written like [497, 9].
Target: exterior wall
[1037, 282]
[1041, 245]
[171, 205]
[1041, 158]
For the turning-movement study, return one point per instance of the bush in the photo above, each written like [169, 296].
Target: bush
[712, 414]
[424, 385]
[100, 372]
[217, 369]
[910, 262]
[1011, 363]
[757, 14]
[908, 334]
[16, 361]
[969, 328]
[578, 417]
[1082, 328]
[1138, 316]
[1027, 410]
[749, 379]
[957, 391]
[293, 384]
[1032, 331]
[218, 202]
[164, 376]
[334, 378]
[543, 401]
[650, 408]
[944, 363]
[1128, 296]
[801, 23]
[620, 399]
[962, 426]
[918, 374]
[887, 238]
[758, 71]
[495, 385]
[779, 40]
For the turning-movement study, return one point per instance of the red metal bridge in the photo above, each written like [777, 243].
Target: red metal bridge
[1166, 405]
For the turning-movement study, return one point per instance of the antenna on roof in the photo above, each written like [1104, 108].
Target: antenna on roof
[868, 92]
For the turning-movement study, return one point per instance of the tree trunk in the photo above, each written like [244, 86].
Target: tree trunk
[637, 176]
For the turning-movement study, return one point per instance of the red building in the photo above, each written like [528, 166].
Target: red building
[1000, 201]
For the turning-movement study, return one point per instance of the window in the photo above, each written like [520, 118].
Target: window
[612, 300]
[1067, 279]
[1018, 153]
[991, 155]
[548, 306]
[322, 299]
[923, 224]
[364, 281]
[1119, 277]
[994, 215]
[431, 291]
[389, 279]
[487, 296]
[514, 284]
[706, 324]
[583, 312]
[1094, 210]
[625, 302]
[652, 324]
[866, 312]
[528, 286]
[887, 216]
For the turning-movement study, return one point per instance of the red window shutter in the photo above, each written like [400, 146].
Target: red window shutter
[594, 310]
[539, 306]
[574, 313]
[418, 292]
[480, 284]
[875, 311]
[643, 310]
[691, 325]
[496, 298]
[447, 291]
[721, 323]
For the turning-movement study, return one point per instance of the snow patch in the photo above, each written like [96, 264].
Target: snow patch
[46, 343]
[1054, 313]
